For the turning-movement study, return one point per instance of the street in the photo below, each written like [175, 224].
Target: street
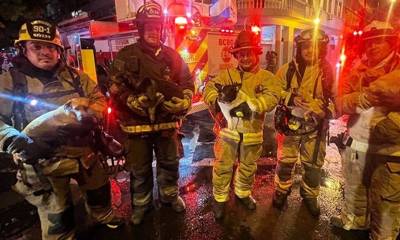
[198, 220]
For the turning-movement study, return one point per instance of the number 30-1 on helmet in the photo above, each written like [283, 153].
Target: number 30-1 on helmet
[41, 31]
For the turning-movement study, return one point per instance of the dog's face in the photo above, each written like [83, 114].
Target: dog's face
[227, 93]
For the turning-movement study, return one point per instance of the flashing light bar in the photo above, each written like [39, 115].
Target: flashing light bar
[181, 21]
[226, 30]
[255, 29]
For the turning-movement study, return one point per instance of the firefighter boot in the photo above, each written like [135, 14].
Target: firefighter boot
[279, 199]
[336, 221]
[312, 206]
[178, 205]
[218, 209]
[249, 202]
[115, 222]
[139, 213]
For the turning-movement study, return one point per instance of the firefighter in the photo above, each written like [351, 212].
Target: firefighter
[39, 82]
[153, 88]
[371, 160]
[271, 58]
[239, 98]
[306, 102]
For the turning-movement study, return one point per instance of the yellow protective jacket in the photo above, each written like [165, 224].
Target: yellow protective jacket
[363, 119]
[313, 78]
[49, 90]
[259, 89]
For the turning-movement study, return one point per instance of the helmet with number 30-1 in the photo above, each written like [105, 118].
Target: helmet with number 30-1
[39, 30]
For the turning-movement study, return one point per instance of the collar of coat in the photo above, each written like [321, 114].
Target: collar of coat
[25, 66]
[146, 48]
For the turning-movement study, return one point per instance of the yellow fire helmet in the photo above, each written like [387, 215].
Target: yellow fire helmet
[310, 35]
[378, 29]
[39, 30]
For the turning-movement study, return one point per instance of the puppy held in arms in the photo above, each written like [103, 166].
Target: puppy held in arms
[230, 104]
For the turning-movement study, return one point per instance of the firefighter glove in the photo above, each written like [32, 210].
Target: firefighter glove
[28, 150]
[315, 109]
[78, 129]
[253, 103]
[365, 100]
[176, 105]
[138, 104]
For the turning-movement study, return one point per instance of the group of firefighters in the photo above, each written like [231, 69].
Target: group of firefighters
[151, 88]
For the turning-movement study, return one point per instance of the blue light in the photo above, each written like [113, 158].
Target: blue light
[30, 101]
[33, 102]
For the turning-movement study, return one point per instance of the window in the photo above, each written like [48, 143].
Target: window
[329, 6]
[339, 9]
[336, 9]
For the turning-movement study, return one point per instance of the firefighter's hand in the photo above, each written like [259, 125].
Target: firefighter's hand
[367, 100]
[78, 129]
[373, 99]
[372, 73]
[176, 105]
[315, 109]
[300, 102]
[28, 150]
[138, 104]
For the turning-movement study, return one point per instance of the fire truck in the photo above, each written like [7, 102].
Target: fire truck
[202, 39]
[201, 33]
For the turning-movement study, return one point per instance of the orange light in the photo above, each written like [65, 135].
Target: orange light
[342, 57]
[181, 21]
[360, 32]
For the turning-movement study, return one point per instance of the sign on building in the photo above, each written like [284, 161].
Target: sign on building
[219, 56]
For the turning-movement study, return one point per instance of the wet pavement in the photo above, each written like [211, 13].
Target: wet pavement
[198, 222]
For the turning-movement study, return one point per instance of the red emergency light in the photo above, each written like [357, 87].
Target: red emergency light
[359, 33]
[181, 21]
[255, 29]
